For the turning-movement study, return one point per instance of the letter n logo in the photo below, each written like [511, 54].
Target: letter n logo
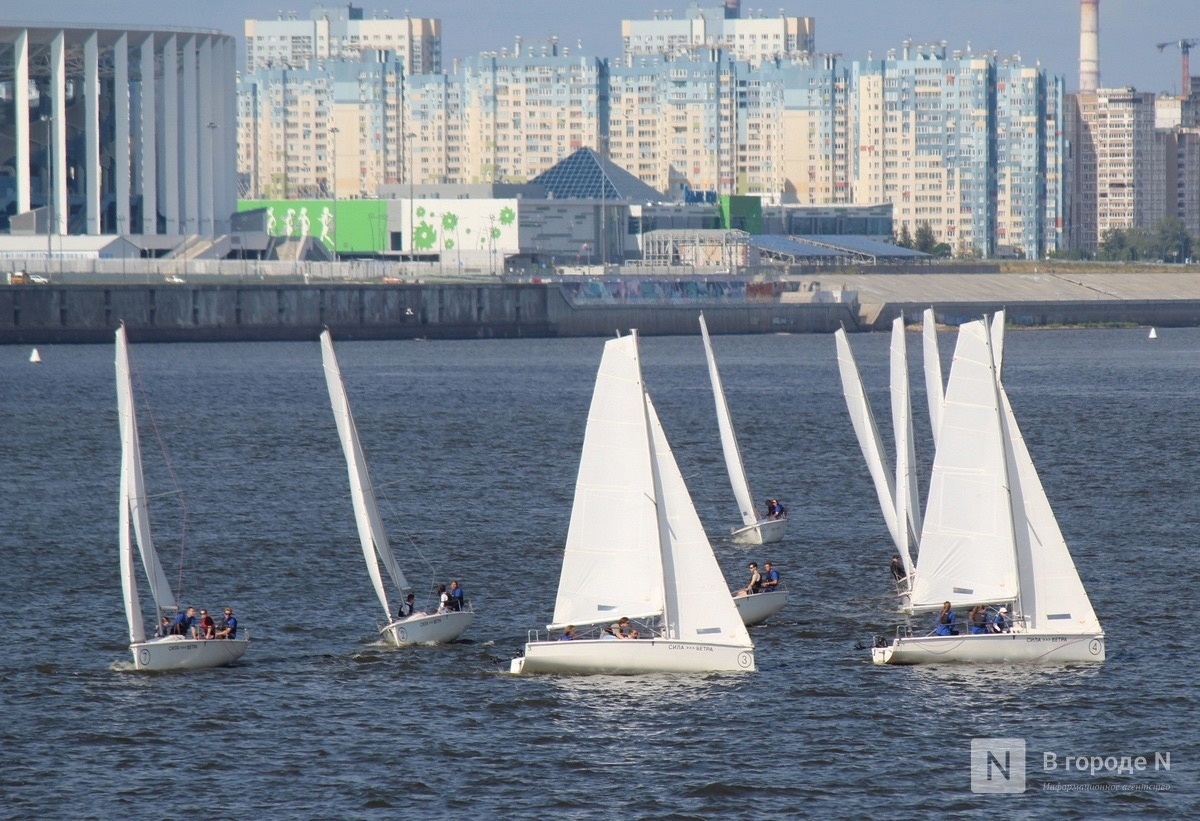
[998, 765]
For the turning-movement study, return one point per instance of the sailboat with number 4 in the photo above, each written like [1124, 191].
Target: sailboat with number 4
[990, 539]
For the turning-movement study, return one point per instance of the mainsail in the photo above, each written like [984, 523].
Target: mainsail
[729, 443]
[133, 509]
[371, 532]
[908, 503]
[611, 565]
[966, 554]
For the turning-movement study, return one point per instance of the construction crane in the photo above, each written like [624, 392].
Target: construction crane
[1185, 48]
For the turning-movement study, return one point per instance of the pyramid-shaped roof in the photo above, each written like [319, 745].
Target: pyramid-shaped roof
[585, 175]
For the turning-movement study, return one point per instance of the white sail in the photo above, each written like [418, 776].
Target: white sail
[908, 505]
[934, 391]
[966, 554]
[1052, 594]
[698, 606]
[371, 532]
[134, 510]
[729, 443]
[997, 330]
[865, 429]
[612, 565]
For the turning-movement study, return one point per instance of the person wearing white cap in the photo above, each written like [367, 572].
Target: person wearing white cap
[1001, 624]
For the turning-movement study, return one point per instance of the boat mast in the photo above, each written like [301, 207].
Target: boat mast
[1006, 477]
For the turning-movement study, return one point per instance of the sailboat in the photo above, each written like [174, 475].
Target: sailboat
[990, 536]
[1153, 333]
[169, 652]
[420, 627]
[636, 548]
[896, 506]
[754, 607]
[35, 357]
[754, 530]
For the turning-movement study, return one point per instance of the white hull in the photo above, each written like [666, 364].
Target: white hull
[767, 531]
[434, 628]
[625, 657]
[758, 607]
[997, 648]
[179, 653]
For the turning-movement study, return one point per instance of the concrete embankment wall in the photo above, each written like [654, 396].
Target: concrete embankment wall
[40, 314]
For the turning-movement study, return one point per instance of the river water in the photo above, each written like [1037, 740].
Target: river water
[475, 445]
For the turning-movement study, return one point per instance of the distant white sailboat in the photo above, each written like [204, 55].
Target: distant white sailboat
[167, 652]
[990, 537]
[419, 627]
[636, 548]
[1153, 334]
[35, 357]
[754, 530]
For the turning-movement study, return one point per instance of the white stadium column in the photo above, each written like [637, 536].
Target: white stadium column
[121, 132]
[189, 175]
[91, 133]
[21, 115]
[168, 136]
[207, 124]
[58, 174]
[147, 140]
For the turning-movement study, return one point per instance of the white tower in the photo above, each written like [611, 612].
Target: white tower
[1089, 45]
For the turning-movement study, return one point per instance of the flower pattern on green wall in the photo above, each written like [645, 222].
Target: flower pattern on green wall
[424, 237]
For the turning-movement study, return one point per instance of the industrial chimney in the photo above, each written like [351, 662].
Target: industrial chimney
[1089, 45]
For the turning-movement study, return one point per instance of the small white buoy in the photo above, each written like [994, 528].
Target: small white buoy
[35, 357]
[1154, 333]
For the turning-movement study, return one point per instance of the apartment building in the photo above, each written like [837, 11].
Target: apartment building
[298, 127]
[523, 112]
[751, 39]
[1117, 164]
[342, 33]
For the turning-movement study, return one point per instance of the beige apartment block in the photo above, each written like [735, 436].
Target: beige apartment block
[342, 33]
[1115, 164]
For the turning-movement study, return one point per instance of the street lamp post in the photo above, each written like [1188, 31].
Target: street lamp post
[51, 213]
[408, 172]
[334, 131]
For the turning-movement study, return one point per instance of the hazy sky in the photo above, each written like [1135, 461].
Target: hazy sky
[1039, 30]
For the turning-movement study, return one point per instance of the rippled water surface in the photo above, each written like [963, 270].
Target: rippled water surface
[476, 445]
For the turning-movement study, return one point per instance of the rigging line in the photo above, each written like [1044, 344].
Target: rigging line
[162, 449]
[395, 517]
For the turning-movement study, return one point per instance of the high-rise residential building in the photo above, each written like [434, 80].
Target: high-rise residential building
[1116, 164]
[524, 112]
[298, 127]
[342, 33]
[960, 142]
[751, 39]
